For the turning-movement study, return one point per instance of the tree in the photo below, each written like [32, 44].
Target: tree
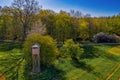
[71, 50]
[83, 29]
[47, 18]
[63, 26]
[74, 30]
[90, 25]
[5, 22]
[60, 26]
[48, 49]
[38, 28]
[114, 23]
[25, 10]
[76, 14]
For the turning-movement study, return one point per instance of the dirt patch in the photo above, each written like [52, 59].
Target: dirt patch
[2, 77]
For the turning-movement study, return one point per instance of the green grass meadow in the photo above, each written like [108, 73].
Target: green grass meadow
[96, 64]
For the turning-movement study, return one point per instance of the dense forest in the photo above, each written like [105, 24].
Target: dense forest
[18, 21]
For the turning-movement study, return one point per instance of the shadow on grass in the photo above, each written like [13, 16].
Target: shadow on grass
[90, 52]
[7, 46]
[47, 73]
[86, 67]
[111, 57]
[82, 65]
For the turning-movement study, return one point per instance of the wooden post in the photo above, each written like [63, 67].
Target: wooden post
[36, 58]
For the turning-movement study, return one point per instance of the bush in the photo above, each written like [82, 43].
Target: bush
[106, 38]
[48, 50]
[71, 50]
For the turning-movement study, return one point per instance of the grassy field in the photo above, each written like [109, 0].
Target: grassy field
[11, 57]
[99, 68]
[97, 63]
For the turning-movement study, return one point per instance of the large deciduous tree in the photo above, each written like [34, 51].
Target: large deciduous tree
[5, 22]
[25, 11]
[47, 17]
[65, 27]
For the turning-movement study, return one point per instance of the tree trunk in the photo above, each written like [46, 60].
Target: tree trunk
[24, 33]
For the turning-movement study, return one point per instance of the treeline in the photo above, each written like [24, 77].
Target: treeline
[18, 20]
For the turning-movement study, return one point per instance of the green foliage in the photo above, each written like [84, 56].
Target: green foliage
[11, 54]
[83, 29]
[49, 73]
[88, 69]
[72, 50]
[93, 68]
[26, 14]
[48, 50]
[5, 22]
[60, 26]
[8, 45]
[114, 24]
[90, 52]
[47, 17]
[66, 27]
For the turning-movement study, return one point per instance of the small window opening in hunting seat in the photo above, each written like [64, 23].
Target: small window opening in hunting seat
[35, 49]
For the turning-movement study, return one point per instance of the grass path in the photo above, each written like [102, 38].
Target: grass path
[115, 69]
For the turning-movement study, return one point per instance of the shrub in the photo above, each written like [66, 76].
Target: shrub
[105, 38]
[48, 50]
[71, 50]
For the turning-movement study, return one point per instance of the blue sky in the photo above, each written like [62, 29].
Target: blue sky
[93, 7]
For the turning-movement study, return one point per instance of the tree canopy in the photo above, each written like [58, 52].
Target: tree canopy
[17, 20]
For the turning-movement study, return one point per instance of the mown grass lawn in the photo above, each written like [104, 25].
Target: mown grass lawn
[116, 75]
[96, 64]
